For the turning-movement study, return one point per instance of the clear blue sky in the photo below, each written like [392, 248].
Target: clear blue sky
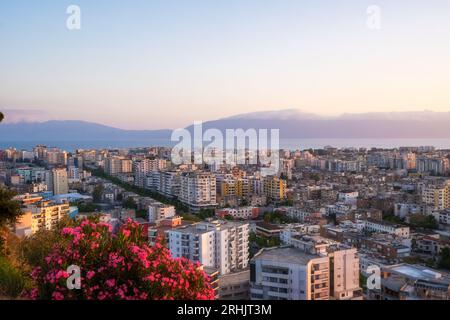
[165, 63]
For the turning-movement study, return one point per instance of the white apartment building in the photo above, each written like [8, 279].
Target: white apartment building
[289, 274]
[73, 174]
[348, 197]
[239, 213]
[159, 212]
[385, 227]
[403, 210]
[344, 262]
[298, 214]
[198, 190]
[164, 182]
[345, 274]
[219, 244]
[142, 168]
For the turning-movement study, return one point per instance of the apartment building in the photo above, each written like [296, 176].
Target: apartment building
[443, 217]
[158, 212]
[43, 215]
[437, 196]
[60, 182]
[115, 165]
[141, 168]
[239, 213]
[432, 245]
[198, 190]
[344, 263]
[371, 225]
[274, 188]
[56, 157]
[289, 274]
[434, 165]
[235, 286]
[217, 244]
[348, 197]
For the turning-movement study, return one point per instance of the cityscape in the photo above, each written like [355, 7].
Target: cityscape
[232, 152]
[332, 224]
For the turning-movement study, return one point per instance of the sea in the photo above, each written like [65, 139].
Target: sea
[291, 144]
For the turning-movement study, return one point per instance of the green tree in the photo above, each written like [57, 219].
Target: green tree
[206, 213]
[10, 209]
[98, 193]
[422, 221]
[10, 212]
[444, 262]
[88, 207]
[129, 203]
[12, 280]
[228, 217]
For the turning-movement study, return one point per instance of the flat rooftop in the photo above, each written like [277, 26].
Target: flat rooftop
[286, 255]
[420, 272]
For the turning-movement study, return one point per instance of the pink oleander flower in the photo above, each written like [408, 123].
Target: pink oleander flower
[125, 268]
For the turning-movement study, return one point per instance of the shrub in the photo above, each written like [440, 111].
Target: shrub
[12, 281]
[117, 267]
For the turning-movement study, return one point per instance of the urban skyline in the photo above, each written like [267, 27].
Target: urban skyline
[255, 151]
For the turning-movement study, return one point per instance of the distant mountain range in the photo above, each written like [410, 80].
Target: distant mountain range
[292, 124]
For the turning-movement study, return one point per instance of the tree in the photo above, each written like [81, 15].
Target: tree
[444, 262]
[12, 280]
[129, 203]
[98, 193]
[206, 213]
[10, 209]
[1, 117]
[422, 221]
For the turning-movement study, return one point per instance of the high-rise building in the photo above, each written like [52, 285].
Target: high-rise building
[434, 165]
[198, 190]
[117, 164]
[43, 215]
[143, 167]
[159, 212]
[56, 157]
[60, 181]
[344, 262]
[289, 274]
[217, 244]
[274, 188]
[437, 196]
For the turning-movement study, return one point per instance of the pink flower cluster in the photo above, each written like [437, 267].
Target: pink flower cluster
[117, 267]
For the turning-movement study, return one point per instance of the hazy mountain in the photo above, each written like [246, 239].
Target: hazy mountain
[73, 131]
[292, 124]
[288, 114]
[297, 124]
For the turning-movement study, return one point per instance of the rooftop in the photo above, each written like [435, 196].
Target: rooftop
[417, 272]
[286, 255]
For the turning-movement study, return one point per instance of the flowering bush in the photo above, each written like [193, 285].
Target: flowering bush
[117, 266]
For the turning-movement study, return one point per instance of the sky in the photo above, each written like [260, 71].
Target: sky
[154, 64]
